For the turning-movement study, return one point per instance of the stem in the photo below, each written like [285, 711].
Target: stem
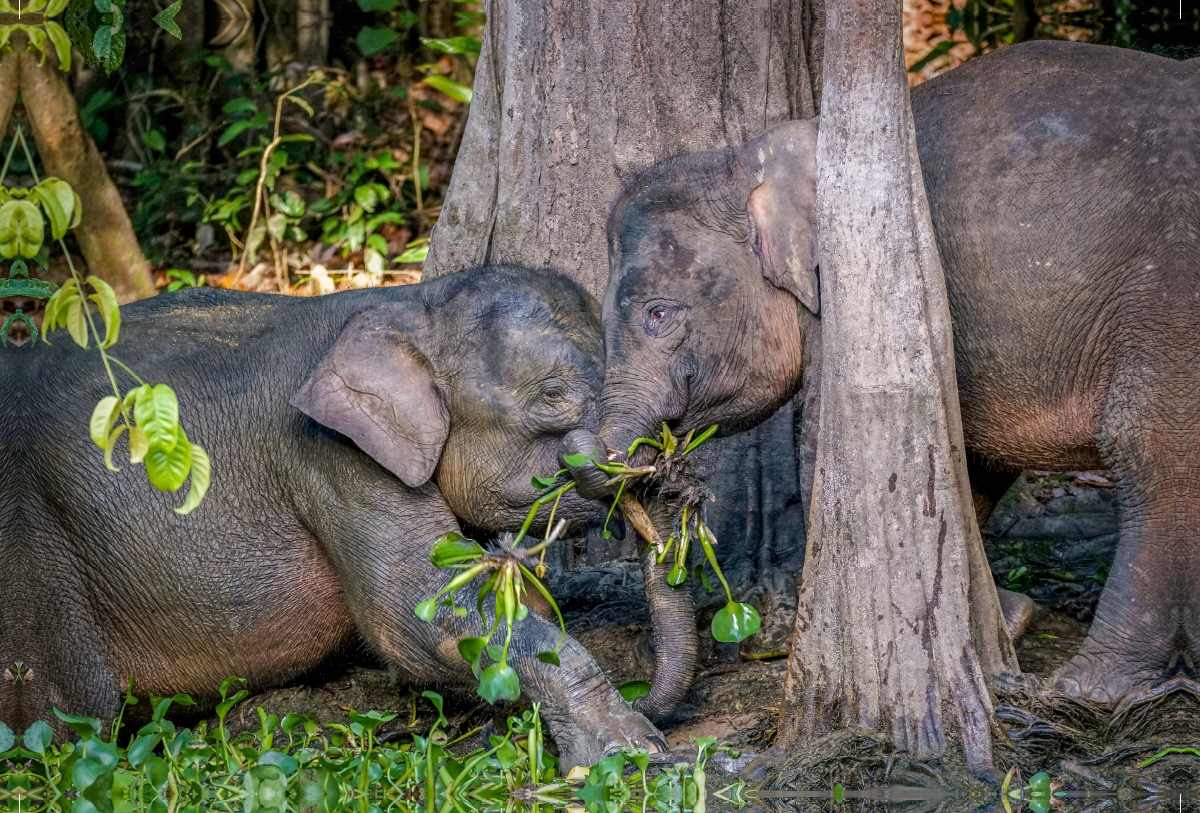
[712, 558]
[538, 503]
[416, 161]
[613, 507]
[8, 158]
[260, 195]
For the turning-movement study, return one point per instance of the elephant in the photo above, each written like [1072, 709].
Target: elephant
[347, 433]
[1063, 183]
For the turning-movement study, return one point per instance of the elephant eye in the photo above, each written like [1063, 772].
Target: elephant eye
[660, 318]
[554, 395]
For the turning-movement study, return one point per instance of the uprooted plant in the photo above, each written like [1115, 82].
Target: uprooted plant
[512, 570]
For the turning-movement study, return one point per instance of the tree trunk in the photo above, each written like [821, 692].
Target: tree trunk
[8, 90]
[893, 633]
[571, 98]
[105, 233]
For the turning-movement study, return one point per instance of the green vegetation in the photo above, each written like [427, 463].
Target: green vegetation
[293, 764]
[510, 570]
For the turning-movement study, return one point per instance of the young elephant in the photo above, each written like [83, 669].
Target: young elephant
[1062, 181]
[346, 434]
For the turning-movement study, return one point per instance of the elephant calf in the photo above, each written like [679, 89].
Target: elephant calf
[346, 434]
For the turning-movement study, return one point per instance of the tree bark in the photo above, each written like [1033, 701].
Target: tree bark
[893, 633]
[105, 233]
[571, 98]
[8, 89]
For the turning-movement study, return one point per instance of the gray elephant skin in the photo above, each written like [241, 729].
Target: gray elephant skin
[1064, 185]
[346, 434]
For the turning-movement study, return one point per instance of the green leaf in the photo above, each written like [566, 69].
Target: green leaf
[499, 682]
[167, 470]
[282, 761]
[633, 689]
[85, 727]
[373, 40]
[471, 650]
[37, 737]
[1040, 783]
[454, 45]
[677, 576]
[102, 41]
[60, 40]
[378, 5]
[277, 224]
[453, 548]
[139, 445]
[233, 131]
[139, 750]
[940, 49]
[155, 141]
[702, 576]
[7, 738]
[290, 203]
[166, 19]
[77, 322]
[413, 255]
[156, 410]
[735, 622]
[102, 420]
[550, 657]
[367, 196]
[22, 229]
[577, 460]
[455, 90]
[106, 302]
[543, 483]
[201, 472]
[55, 8]
[376, 242]
[426, 610]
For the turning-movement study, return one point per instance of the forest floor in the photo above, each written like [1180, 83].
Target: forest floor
[1059, 528]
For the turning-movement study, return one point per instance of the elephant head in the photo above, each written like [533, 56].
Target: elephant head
[473, 384]
[710, 256]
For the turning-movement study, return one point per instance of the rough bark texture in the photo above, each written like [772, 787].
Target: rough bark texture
[8, 89]
[571, 98]
[883, 635]
[105, 233]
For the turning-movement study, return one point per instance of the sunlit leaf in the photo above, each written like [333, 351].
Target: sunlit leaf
[22, 229]
[139, 444]
[735, 622]
[156, 411]
[102, 420]
[453, 548]
[77, 322]
[374, 40]
[201, 471]
[471, 650]
[167, 469]
[633, 689]
[455, 90]
[106, 302]
[426, 610]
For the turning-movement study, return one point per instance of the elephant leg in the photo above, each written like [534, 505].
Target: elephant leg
[384, 580]
[1145, 629]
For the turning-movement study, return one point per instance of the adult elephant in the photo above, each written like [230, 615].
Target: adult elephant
[1064, 185]
[347, 433]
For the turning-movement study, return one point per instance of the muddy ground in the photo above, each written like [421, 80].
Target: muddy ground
[1052, 536]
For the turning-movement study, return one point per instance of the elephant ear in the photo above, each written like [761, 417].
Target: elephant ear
[377, 388]
[783, 207]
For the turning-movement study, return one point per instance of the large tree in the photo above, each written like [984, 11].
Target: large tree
[898, 622]
[571, 99]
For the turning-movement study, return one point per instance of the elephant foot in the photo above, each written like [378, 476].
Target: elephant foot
[1102, 680]
[603, 727]
[1018, 610]
[1181, 684]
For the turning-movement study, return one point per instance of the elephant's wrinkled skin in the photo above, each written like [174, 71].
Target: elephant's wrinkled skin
[1064, 185]
[461, 389]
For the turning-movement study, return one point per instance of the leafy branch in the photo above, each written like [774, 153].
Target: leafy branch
[150, 414]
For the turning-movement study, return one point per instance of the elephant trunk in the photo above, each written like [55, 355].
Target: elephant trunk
[676, 645]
